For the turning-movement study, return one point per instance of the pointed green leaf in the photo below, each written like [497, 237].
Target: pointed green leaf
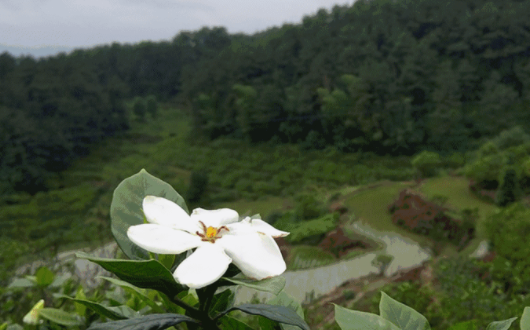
[3, 326]
[502, 325]
[134, 291]
[405, 317]
[44, 277]
[280, 314]
[283, 299]
[228, 322]
[167, 260]
[21, 283]
[80, 308]
[525, 319]
[126, 208]
[147, 322]
[145, 274]
[98, 308]
[273, 285]
[467, 325]
[355, 320]
[222, 301]
[60, 317]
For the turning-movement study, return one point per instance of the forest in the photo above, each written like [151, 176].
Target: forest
[392, 77]
[295, 123]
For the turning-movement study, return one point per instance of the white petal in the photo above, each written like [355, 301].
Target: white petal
[257, 255]
[205, 266]
[215, 218]
[164, 212]
[264, 228]
[161, 239]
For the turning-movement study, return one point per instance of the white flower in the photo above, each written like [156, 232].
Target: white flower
[33, 316]
[218, 236]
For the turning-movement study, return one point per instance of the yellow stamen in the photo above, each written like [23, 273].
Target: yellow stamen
[211, 232]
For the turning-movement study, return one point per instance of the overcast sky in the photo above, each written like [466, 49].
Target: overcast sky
[44, 27]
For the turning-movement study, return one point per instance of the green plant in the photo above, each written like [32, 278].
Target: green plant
[139, 108]
[509, 190]
[426, 163]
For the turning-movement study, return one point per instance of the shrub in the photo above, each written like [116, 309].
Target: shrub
[486, 170]
[511, 137]
[426, 163]
[308, 207]
[509, 190]
[508, 231]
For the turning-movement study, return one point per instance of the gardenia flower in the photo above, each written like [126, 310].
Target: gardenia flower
[218, 236]
[33, 316]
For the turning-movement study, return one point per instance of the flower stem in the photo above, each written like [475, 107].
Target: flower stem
[201, 316]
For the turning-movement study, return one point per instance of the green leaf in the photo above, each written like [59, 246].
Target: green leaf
[146, 274]
[503, 325]
[167, 260]
[134, 291]
[98, 308]
[60, 317]
[525, 319]
[80, 308]
[467, 325]
[222, 301]
[3, 326]
[44, 277]
[405, 317]
[266, 324]
[283, 299]
[228, 322]
[355, 320]
[126, 208]
[276, 313]
[21, 283]
[59, 281]
[148, 322]
[273, 285]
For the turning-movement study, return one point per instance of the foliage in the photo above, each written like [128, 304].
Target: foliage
[426, 163]
[514, 136]
[509, 190]
[310, 229]
[507, 230]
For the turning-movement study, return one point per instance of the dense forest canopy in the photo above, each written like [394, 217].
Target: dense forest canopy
[389, 76]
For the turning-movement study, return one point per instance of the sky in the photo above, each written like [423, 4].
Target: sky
[46, 27]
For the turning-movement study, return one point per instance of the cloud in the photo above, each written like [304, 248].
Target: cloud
[81, 23]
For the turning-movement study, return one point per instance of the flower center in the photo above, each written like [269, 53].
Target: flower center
[210, 234]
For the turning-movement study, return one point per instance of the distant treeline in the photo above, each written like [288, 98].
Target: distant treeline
[51, 111]
[390, 76]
